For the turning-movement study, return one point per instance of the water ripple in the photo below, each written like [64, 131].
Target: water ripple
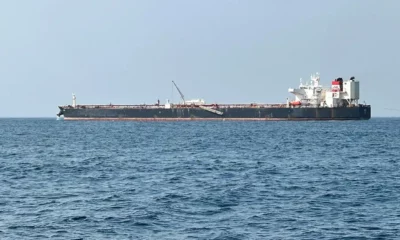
[199, 180]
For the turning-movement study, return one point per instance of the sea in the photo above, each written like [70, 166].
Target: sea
[199, 180]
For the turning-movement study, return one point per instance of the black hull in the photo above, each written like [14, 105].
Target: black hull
[344, 113]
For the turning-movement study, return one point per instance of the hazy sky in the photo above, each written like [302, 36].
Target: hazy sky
[128, 52]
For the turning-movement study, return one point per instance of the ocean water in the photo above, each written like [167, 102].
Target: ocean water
[199, 180]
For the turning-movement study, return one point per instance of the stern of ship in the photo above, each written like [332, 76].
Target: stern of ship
[365, 112]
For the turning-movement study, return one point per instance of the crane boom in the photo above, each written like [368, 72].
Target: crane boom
[183, 98]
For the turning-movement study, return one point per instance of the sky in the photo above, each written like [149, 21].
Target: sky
[225, 51]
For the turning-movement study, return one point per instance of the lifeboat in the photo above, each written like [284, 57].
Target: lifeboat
[295, 103]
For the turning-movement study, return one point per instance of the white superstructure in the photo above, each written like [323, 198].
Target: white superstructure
[313, 94]
[196, 101]
[73, 100]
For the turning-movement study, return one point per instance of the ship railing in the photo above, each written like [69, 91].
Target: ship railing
[246, 105]
[155, 106]
[120, 106]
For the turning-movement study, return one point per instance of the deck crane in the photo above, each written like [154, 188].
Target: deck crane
[183, 98]
[202, 107]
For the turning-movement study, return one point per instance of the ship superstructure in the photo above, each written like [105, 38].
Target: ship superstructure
[339, 94]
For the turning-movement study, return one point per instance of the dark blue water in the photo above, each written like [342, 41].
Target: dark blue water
[199, 180]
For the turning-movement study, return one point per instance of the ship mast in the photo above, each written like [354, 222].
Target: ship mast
[183, 98]
[73, 100]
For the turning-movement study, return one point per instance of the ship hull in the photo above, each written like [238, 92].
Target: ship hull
[239, 114]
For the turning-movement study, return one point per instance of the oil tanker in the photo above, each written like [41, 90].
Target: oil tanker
[311, 101]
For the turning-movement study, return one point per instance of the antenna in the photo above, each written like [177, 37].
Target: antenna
[172, 93]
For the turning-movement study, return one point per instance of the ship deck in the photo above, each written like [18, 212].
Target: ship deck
[154, 106]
